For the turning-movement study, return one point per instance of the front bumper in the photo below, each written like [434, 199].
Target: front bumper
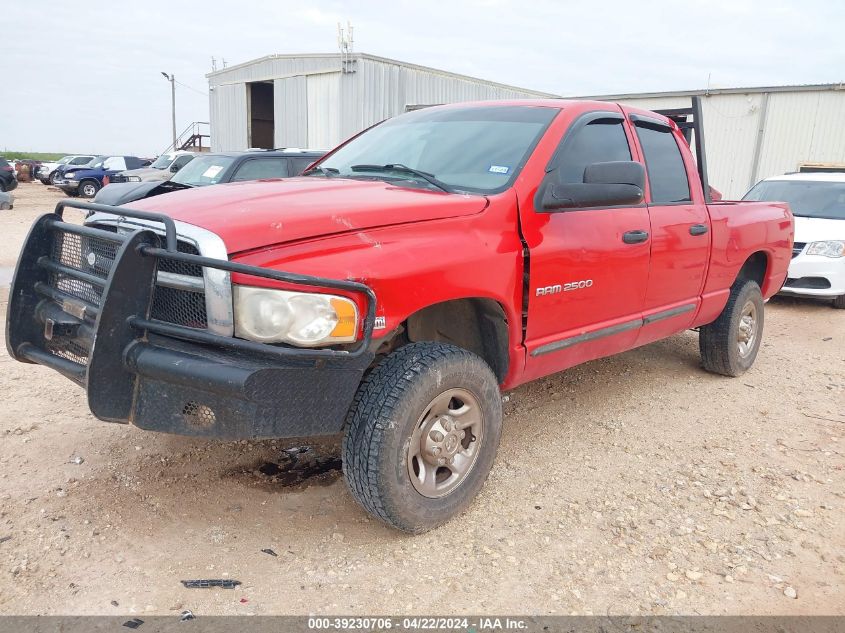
[68, 294]
[68, 186]
[815, 276]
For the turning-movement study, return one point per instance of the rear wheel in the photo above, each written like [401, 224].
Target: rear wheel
[839, 302]
[730, 344]
[422, 435]
[88, 188]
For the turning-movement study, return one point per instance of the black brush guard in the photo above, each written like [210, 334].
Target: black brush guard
[87, 317]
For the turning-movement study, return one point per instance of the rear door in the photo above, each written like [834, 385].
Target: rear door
[588, 267]
[680, 230]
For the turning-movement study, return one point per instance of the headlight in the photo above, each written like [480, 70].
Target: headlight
[301, 318]
[833, 248]
[68, 176]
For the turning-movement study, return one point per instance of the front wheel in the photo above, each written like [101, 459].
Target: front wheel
[839, 302]
[422, 435]
[88, 188]
[730, 344]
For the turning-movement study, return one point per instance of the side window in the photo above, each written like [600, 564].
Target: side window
[299, 165]
[181, 161]
[599, 141]
[667, 175]
[259, 168]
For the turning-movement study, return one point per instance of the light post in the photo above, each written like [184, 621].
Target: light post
[172, 79]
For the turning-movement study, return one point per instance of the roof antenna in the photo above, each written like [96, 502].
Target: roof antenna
[213, 64]
[345, 44]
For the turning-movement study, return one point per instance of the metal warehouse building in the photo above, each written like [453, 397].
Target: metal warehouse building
[317, 101]
[753, 133]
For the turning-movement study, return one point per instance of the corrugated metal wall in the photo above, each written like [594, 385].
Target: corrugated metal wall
[228, 112]
[380, 89]
[803, 127]
[324, 110]
[317, 106]
[290, 97]
[797, 127]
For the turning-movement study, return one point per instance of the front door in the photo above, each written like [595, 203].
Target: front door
[588, 268]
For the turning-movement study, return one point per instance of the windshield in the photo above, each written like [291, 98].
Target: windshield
[64, 160]
[474, 149]
[806, 198]
[96, 162]
[205, 170]
[163, 162]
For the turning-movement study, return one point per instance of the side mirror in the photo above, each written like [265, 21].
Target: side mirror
[605, 185]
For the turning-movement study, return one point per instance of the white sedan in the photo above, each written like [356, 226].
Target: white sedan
[817, 201]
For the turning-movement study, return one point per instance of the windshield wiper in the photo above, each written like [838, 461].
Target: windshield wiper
[176, 185]
[326, 171]
[404, 169]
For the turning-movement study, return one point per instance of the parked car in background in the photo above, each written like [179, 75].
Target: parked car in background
[47, 171]
[8, 177]
[215, 169]
[160, 170]
[87, 180]
[817, 201]
[7, 201]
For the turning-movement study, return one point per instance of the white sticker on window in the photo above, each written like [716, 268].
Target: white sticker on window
[212, 171]
[498, 169]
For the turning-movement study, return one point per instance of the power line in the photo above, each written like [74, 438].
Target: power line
[194, 89]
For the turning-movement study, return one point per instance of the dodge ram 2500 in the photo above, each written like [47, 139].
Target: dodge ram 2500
[398, 287]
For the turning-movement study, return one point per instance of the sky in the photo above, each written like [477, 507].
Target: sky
[82, 78]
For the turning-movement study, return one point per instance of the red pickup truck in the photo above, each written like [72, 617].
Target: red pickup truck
[399, 286]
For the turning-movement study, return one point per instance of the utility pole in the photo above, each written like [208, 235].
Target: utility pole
[172, 79]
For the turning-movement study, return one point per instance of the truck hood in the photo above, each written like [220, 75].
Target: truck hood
[818, 229]
[123, 192]
[249, 215]
[149, 173]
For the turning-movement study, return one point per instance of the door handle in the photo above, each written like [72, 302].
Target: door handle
[698, 229]
[634, 237]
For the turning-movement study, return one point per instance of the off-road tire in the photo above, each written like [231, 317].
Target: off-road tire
[385, 412]
[717, 341]
[81, 190]
[839, 302]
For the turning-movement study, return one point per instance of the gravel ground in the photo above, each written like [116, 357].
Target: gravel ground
[633, 485]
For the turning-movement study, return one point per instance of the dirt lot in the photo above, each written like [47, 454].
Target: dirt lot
[636, 484]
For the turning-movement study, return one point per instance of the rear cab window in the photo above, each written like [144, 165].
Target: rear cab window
[666, 171]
